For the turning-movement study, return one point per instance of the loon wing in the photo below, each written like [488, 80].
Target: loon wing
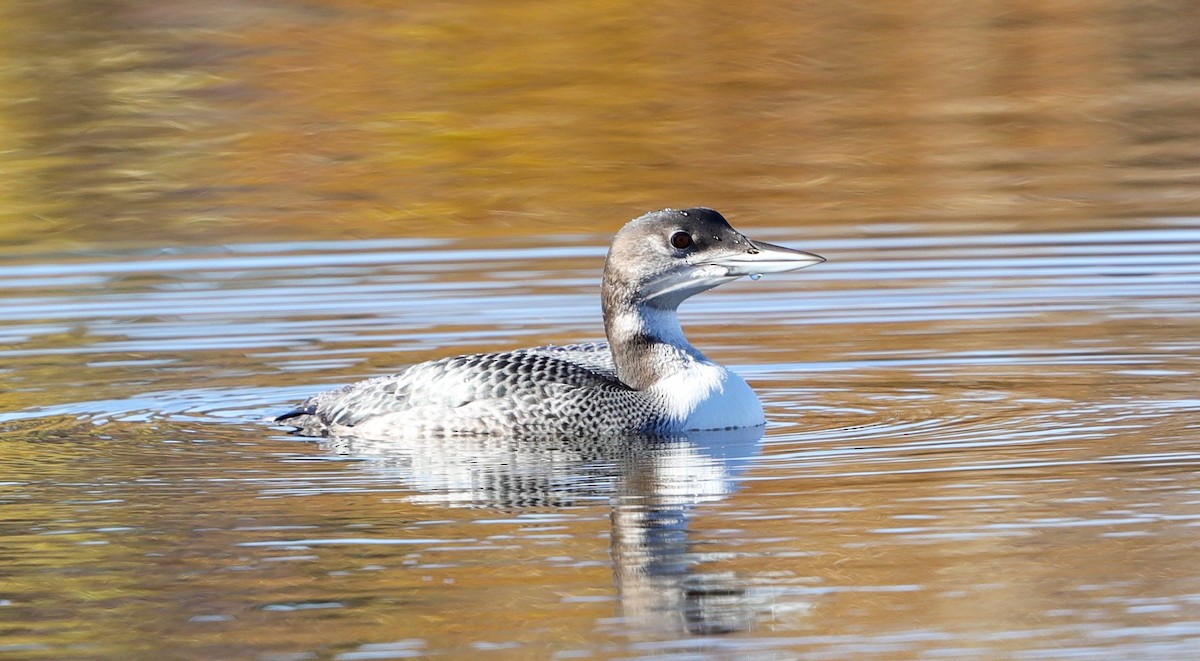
[508, 378]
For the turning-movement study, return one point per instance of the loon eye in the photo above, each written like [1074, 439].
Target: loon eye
[681, 240]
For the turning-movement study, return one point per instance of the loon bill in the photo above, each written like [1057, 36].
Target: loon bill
[646, 379]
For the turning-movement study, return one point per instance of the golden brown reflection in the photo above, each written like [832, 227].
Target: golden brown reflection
[228, 551]
[653, 482]
[164, 123]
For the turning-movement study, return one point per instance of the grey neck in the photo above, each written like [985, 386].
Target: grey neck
[647, 344]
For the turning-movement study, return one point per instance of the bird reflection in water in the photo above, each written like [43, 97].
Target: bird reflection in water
[653, 483]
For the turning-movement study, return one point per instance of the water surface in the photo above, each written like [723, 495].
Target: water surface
[983, 418]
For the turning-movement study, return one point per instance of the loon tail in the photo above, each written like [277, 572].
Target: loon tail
[305, 421]
[310, 409]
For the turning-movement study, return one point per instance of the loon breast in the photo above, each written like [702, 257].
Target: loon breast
[706, 396]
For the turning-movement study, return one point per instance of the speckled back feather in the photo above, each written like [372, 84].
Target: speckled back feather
[559, 389]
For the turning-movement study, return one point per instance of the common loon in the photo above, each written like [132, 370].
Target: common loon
[646, 379]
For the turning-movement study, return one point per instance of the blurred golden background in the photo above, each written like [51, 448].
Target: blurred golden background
[225, 121]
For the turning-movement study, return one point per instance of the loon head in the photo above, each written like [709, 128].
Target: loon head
[664, 257]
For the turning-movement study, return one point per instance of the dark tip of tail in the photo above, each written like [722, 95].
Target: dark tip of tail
[296, 413]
